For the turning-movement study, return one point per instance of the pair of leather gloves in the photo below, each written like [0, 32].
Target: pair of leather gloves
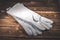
[32, 22]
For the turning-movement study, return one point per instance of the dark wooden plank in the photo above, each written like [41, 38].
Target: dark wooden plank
[40, 3]
[18, 38]
[45, 34]
[51, 15]
[56, 26]
[48, 15]
[12, 21]
[42, 8]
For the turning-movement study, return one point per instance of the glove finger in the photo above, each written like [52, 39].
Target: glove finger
[46, 20]
[26, 28]
[49, 25]
[39, 26]
[31, 28]
[38, 31]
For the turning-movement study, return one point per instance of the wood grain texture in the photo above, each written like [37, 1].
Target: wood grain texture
[11, 30]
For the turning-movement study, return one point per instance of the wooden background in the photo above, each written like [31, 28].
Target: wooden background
[11, 30]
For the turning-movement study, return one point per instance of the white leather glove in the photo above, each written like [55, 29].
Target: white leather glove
[28, 26]
[32, 22]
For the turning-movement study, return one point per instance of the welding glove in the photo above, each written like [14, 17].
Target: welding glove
[28, 26]
[31, 20]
